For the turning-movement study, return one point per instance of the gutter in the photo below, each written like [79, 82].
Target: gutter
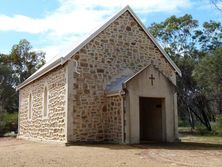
[119, 93]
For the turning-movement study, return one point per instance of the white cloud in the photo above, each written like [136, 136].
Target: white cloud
[74, 18]
[22, 24]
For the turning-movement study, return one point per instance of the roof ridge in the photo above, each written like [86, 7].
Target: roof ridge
[88, 39]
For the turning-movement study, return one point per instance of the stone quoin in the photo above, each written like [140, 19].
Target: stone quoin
[117, 86]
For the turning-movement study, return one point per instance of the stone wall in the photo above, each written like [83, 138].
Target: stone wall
[121, 45]
[113, 118]
[51, 128]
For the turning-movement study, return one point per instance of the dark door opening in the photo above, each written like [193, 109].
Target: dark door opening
[150, 119]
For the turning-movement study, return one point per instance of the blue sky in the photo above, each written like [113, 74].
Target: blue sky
[57, 25]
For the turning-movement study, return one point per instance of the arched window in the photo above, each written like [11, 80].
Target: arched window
[45, 104]
[30, 106]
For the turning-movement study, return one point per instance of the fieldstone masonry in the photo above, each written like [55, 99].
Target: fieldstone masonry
[122, 45]
[96, 115]
[51, 128]
[113, 118]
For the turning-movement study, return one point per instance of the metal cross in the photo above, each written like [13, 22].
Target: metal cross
[151, 78]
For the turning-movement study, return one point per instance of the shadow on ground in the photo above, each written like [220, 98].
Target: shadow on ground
[150, 145]
[168, 146]
[182, 146]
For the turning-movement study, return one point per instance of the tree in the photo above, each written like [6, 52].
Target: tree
[8, 95]
[14, 69]
[187, 43]
[24, 61]
[217, 4]
[176, 35]
[182, 36]
[210, 38]
[208, 74]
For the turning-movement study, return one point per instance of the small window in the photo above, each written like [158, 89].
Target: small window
[45, 104]
[30, 106]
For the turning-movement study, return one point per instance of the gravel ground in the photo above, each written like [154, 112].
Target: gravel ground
[20, 153]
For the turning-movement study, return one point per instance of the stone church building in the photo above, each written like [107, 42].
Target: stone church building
[117, 86]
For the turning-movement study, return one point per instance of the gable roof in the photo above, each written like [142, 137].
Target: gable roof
[60, 61]
[120, 83]
[148, 66]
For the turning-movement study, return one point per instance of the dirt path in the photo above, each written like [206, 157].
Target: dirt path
[22, 153]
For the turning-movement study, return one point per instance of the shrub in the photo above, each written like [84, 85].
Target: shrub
[183, 123]
[8, 122]
[202, 130]
[217, 126]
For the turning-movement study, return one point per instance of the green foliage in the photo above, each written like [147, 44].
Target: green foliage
[202, 130]
[188, 43]
[183, 123]
[208, 74]
[23, 60]
[211, 37]
[8, 94]
[14, 69]
[175, 34]
[217, 126]
[182, 36]
[8, 122]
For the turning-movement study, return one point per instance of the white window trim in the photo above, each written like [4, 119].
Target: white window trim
[43, 102]
[30, 107]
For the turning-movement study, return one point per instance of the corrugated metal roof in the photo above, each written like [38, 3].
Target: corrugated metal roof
[117, 85]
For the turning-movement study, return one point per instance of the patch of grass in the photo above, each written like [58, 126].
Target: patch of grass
[186, 129]
[209, 139]
[189, 135]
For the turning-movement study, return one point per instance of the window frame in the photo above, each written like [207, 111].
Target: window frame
[30, 106]
[45, 102]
